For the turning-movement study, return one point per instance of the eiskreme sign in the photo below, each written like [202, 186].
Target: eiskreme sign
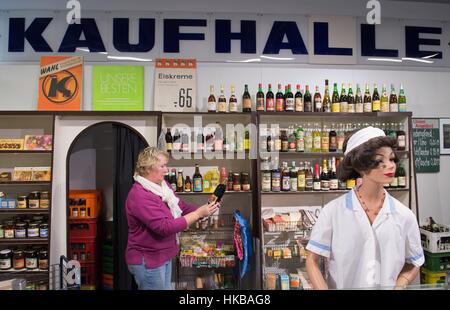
[220, 37]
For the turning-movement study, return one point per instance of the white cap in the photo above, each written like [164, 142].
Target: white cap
[362, 136]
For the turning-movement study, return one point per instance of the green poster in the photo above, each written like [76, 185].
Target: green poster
[118, 88]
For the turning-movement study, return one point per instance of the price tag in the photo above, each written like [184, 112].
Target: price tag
[175, 85]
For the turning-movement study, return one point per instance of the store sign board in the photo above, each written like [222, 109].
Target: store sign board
[102, 36]
[175, 85]
[60, 83]
[118, 88]
[425, 133]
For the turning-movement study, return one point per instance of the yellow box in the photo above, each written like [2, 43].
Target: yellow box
[11, 144]
[428, 277]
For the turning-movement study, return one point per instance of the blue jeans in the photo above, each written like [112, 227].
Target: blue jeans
[152, 278]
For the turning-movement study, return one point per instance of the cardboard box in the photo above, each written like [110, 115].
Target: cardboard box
[11, 144]
[38, 142]
[41, 174]
[22, 174]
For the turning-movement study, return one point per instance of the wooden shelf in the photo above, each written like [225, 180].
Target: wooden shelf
[24, 241]
[25, 271]
[329, 154]
[26, 183]
[327, 192]
[338, 115]
[24, 211]
[210, 193]
[26, 152]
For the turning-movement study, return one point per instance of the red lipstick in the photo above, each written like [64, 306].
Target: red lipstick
[389, 174]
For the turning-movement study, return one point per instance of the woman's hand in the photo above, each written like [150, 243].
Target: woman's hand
[207, 209]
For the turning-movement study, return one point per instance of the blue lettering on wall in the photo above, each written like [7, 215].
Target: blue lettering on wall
[121, 37]
[247, 36]
[33, 34]
[412, 42]
[172, 35]
[321, 42]
[71, 40]
[368, 45]
[279, 30]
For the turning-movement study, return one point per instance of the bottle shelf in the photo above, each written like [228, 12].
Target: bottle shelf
[329, 154]
[210, 193]
[25, 271]
[337, 114]
[327, 192]
[25, 152]
[24, 241]
[24, 211]
[26, 183]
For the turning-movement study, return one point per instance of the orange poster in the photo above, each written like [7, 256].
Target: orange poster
[60, 83]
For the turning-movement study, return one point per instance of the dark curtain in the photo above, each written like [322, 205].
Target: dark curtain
[127, 146]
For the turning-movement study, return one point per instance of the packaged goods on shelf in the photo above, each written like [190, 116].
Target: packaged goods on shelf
[22, 174]
[436, 242]
[38, 142]
[11, 144]
[41, 174]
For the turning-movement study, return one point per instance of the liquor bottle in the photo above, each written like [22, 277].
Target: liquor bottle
[198, 180]
[300, 139]
[270, 142]
[284, 141]
[200, 141]
[343, 99]
[326, 99]
[176, 145]
[317, 101]
[285, 178]
[308, 138]
[188, 184]
[359, 106]
[394, 182]
[277, 141]
[367, 100]
[324, 179]
[279, 104]
[307, 103]
[301, 178]
[276, 179]
[260, 99]
[223, 175]
[376, 103]
[294, 178]
[309, 179]
[325, 141]
[335, 103]
[222, 102]
[270, 105]
[230, 181]
[292, 146]
[316, 179]
[218, 138]
[333, 139]
[334, 182]
[247, 141]
[317, 145]
[298, 100]
[340, 137]
[246, 100]
[401, 138]
[393, 103]
[351, 100]
[266, 180]
[290, 102]
[212, 103]
[169, 141]
[401, 100]
[180, 181]
[233, 101]
[401, 175]
[185, 143]
[384, 100]
[392, 131]
[173, 179]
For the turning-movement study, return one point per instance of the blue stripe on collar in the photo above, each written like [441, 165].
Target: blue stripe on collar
[349, 201]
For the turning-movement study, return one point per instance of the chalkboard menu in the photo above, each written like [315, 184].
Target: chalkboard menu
[425, 135]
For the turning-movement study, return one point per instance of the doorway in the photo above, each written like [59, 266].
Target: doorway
[100, 166]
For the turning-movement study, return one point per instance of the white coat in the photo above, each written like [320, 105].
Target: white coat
[362, 255]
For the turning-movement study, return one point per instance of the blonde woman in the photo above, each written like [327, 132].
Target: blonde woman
[155, 217]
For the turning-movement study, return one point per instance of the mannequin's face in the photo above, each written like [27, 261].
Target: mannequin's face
[158, 171]
[385, 171]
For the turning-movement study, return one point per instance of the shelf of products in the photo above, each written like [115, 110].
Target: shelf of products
[25, 194]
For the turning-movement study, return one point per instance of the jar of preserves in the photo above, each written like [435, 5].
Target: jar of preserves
[39, 218]
[18, 260]
[33, 230]
[43, 230]
[33, 200]
[5, 259]
[9, 229]
[20, 230]
[2, 231]
[44, 201]
[43, 259]
[236, 182]
[245, 179]
[31, 260]
[22, 202]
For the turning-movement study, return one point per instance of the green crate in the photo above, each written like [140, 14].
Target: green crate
[437, 262]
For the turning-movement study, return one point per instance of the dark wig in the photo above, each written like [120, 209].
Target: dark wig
[362, 158]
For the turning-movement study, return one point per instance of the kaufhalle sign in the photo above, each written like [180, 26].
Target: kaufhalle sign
[145, 36]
